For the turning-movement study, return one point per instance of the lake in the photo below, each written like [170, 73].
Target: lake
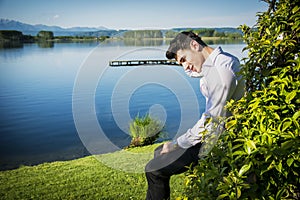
[62, 101]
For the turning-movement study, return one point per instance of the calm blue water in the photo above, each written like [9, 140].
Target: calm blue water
[37, 96]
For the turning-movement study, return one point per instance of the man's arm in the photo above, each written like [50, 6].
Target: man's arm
[220, 85]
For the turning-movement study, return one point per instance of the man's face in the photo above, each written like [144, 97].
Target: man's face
[191, 59]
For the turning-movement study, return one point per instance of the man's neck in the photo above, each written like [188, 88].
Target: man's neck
[206, 51]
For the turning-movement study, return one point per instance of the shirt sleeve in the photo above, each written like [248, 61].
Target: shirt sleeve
[218, 87]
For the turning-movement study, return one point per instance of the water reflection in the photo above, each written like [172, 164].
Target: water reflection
[145, 42]
[119, 42]
[11, 45]
[222, 41]
[45, 44]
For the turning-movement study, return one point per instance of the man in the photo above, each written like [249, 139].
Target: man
[219, 83]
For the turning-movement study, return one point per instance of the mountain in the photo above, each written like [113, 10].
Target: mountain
[28, 29]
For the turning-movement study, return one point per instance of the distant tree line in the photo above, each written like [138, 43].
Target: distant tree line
[142, 34]
[171, 34]
[70, 38]
[210, 32]
[11, 35]
[17, 36]
[207, 32]
[45, 35]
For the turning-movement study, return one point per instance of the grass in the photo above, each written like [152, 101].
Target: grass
[115, 175]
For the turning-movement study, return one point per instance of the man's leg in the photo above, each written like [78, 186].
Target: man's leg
[163, 166]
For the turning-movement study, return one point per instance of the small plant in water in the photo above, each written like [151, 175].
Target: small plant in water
[144, 130]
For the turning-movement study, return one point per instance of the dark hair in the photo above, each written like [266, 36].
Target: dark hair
[182, 41]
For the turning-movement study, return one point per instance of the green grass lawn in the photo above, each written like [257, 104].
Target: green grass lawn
[115, 175]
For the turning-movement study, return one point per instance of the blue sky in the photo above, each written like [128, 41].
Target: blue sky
[133, 14]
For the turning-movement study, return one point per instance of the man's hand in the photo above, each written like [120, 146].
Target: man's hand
[168, 146]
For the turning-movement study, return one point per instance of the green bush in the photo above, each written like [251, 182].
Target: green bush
[45, 35]
[144, 130]
[257, 157]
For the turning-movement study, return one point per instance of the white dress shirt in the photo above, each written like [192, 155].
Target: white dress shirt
[219, 82]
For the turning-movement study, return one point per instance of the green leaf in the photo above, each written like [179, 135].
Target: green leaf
[296, 115]
[268, 156]
[244, 169]
[271, 165]
[222, 196]
[236, 146]
[226, 180]
[262, 124]
[250, 144]
[276, 116]
[239, 193]
[290, 96]
[287, 144]
[267, 138]
[231, 123]
[273, 107]
[277, 43]
[286, 125]
[290, 161]
[279, 166]
[235, 153]
[295, 9]
[255, 104]
[280, 193]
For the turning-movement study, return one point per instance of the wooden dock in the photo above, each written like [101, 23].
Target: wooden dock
[118, 63]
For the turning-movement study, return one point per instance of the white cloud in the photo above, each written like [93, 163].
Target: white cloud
[55, 16]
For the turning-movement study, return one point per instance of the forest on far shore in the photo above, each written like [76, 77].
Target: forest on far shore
[18, 36]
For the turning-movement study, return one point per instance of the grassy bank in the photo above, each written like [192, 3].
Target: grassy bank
[107, 176]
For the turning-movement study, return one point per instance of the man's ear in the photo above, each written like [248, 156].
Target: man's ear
[195, 45]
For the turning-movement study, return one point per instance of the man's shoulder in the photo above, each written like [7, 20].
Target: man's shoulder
[226, 57]
[220, 55]
[228, 61]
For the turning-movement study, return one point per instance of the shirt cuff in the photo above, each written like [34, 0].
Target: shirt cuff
[183, 142]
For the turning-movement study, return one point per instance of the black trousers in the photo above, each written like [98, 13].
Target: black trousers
[162, 167]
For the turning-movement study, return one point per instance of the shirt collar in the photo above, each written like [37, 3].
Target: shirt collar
[212, 57]
[209, 62]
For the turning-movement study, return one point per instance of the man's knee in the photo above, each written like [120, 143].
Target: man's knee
[152, 171]
[149, 168]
